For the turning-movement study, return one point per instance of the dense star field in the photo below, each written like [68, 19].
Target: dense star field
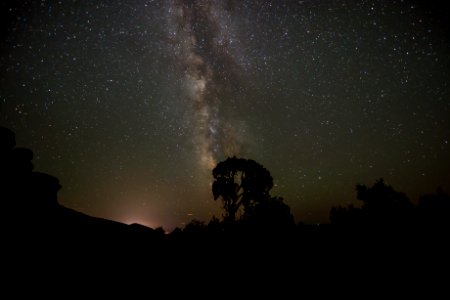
[132, 103]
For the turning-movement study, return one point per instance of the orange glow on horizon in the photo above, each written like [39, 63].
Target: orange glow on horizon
[138, 220]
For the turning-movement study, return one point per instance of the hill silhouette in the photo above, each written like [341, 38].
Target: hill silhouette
[35, 225]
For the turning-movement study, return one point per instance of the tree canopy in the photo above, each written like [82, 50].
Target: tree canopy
[384, 204]
[240, 183]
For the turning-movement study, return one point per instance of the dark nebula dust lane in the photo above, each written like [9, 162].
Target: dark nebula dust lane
[200, 37]
[131, 104]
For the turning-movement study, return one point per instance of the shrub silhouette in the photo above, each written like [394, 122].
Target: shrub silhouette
[382, 205]
[434, 209]
[270, 214]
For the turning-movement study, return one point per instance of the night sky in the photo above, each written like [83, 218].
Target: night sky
[132, 103]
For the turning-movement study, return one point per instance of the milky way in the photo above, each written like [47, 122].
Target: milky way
[130, 104]
[200, 38]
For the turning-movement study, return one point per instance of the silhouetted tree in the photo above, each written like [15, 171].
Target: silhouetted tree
[434, 209]
[347, 216]
[241, 183]
[215, 226]
[270, 214]
[383, 205]
[195, 226]
[195, 229]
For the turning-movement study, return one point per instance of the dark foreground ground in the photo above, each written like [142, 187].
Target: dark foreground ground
[69, 251]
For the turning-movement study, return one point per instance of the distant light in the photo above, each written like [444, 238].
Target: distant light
[137, 220]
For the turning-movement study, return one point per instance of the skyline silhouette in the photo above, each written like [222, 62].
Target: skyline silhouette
[30, 199]
[44, 241]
